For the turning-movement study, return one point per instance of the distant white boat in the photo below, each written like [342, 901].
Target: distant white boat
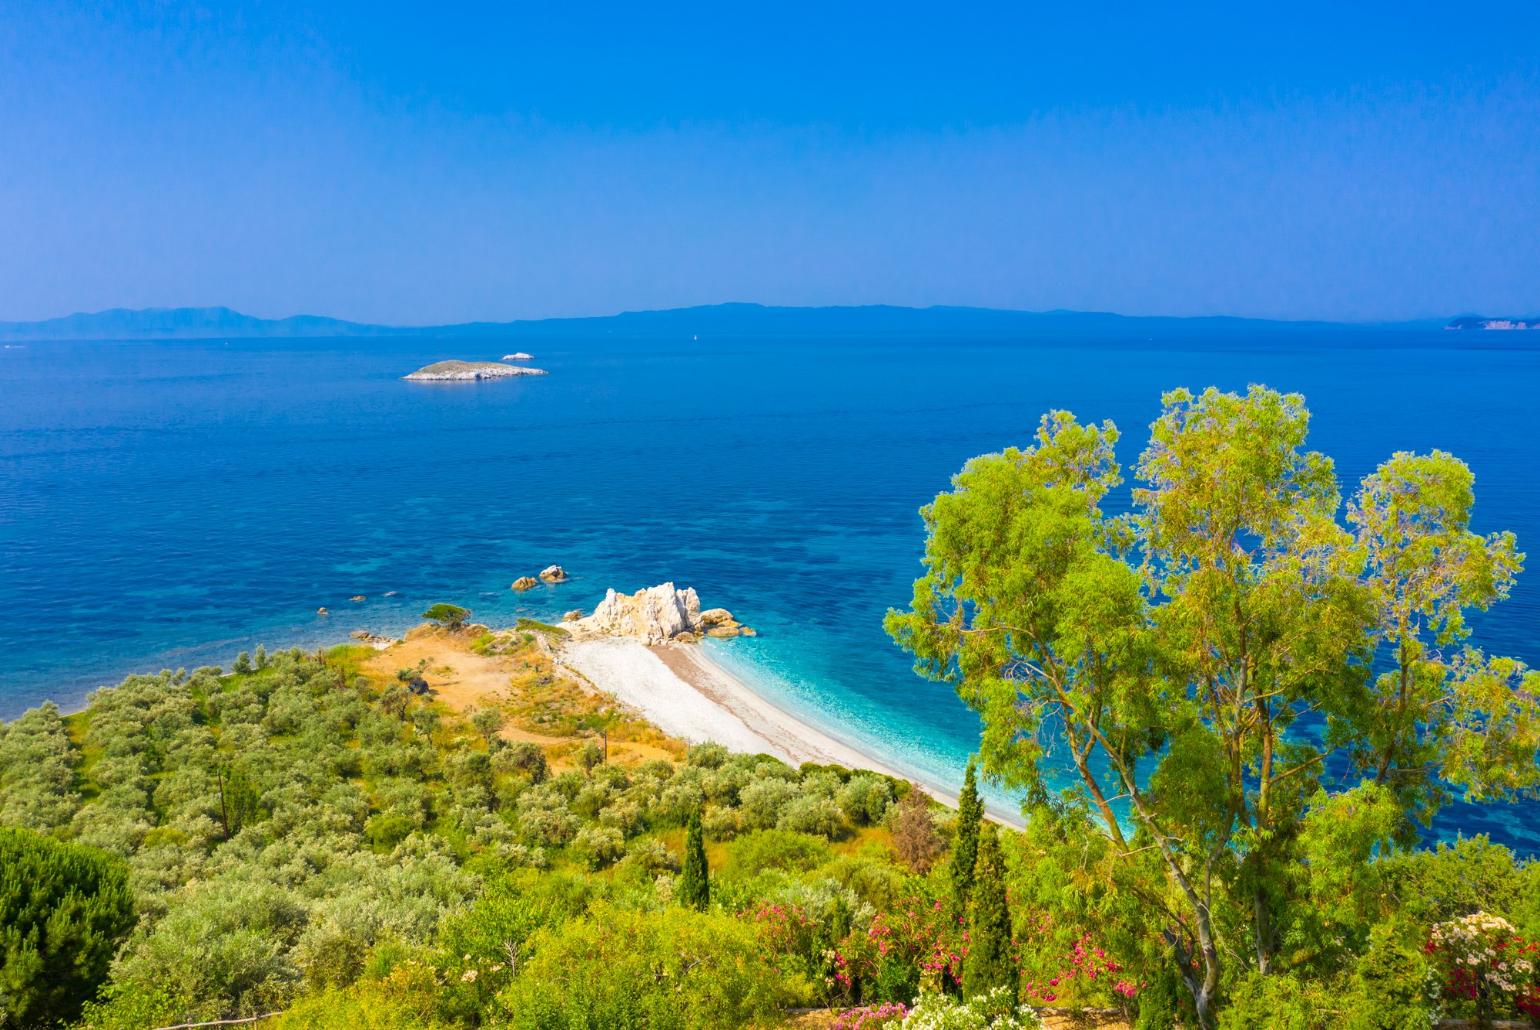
[520, 356]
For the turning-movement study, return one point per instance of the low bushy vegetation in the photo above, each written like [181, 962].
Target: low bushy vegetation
[299, 838]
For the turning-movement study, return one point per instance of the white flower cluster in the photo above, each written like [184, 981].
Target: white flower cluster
[996, 1010]
[1479, 942]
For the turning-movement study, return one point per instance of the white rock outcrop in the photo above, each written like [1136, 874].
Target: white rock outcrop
[654, 615]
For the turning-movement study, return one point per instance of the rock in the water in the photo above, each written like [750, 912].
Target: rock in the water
[654, 615]
[360, 634]
[468, 371]
[553, 573]
[322, 611]
[518, 356]
[525, 583]
[358, 598]
[572, 616]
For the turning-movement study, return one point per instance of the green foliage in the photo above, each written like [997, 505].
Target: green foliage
[1471, 875]
[990, 964]
[240, 800]
[487, 721]
[674, 968]
[525, 758]
[598, 846]
[783, 850]
[37, 771]
[590, 756]
[1279, 1002]
[864, 798]
[965, 842]
[1394, 985]
[536, 626]
[695, 879]
[367, 1006]
[63, 909]
[449, 616]
[1171, 653]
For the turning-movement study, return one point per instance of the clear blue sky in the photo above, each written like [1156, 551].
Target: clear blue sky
[428, 163]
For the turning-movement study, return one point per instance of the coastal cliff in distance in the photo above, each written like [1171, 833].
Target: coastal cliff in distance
[1481, 322]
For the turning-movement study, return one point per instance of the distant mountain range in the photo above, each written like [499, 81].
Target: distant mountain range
[716, 319]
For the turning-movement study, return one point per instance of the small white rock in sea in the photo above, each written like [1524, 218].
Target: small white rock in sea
[518, 356]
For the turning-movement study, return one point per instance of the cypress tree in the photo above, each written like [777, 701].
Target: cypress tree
[989, 963]
[965, 847]
[695, 880]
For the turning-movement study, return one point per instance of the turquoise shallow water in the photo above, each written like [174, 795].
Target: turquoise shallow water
[167, 504]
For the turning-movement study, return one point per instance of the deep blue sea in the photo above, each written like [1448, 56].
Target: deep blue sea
[167, 504]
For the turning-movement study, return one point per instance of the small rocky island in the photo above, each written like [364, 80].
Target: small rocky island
[518, 356]
[468, 371]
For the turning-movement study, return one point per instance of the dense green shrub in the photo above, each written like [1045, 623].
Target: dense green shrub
[865, 798]
[450, 616]
[669, 970]
[1394, 986]
[63, 909]
[598, 846]
[37, 771]
[777, 849]
[1280, 1001]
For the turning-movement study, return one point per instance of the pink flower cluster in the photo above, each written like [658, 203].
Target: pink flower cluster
[868, 1017]
[1085, 962]
[922, 933]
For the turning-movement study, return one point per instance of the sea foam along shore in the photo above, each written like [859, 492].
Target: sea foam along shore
[681, 690]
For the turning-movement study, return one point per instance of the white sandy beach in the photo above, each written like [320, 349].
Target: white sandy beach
[687, 695]
[683, 692]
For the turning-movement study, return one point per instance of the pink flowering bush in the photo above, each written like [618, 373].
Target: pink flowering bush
[1085, 974]
[882, 957]
[871, 1017]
